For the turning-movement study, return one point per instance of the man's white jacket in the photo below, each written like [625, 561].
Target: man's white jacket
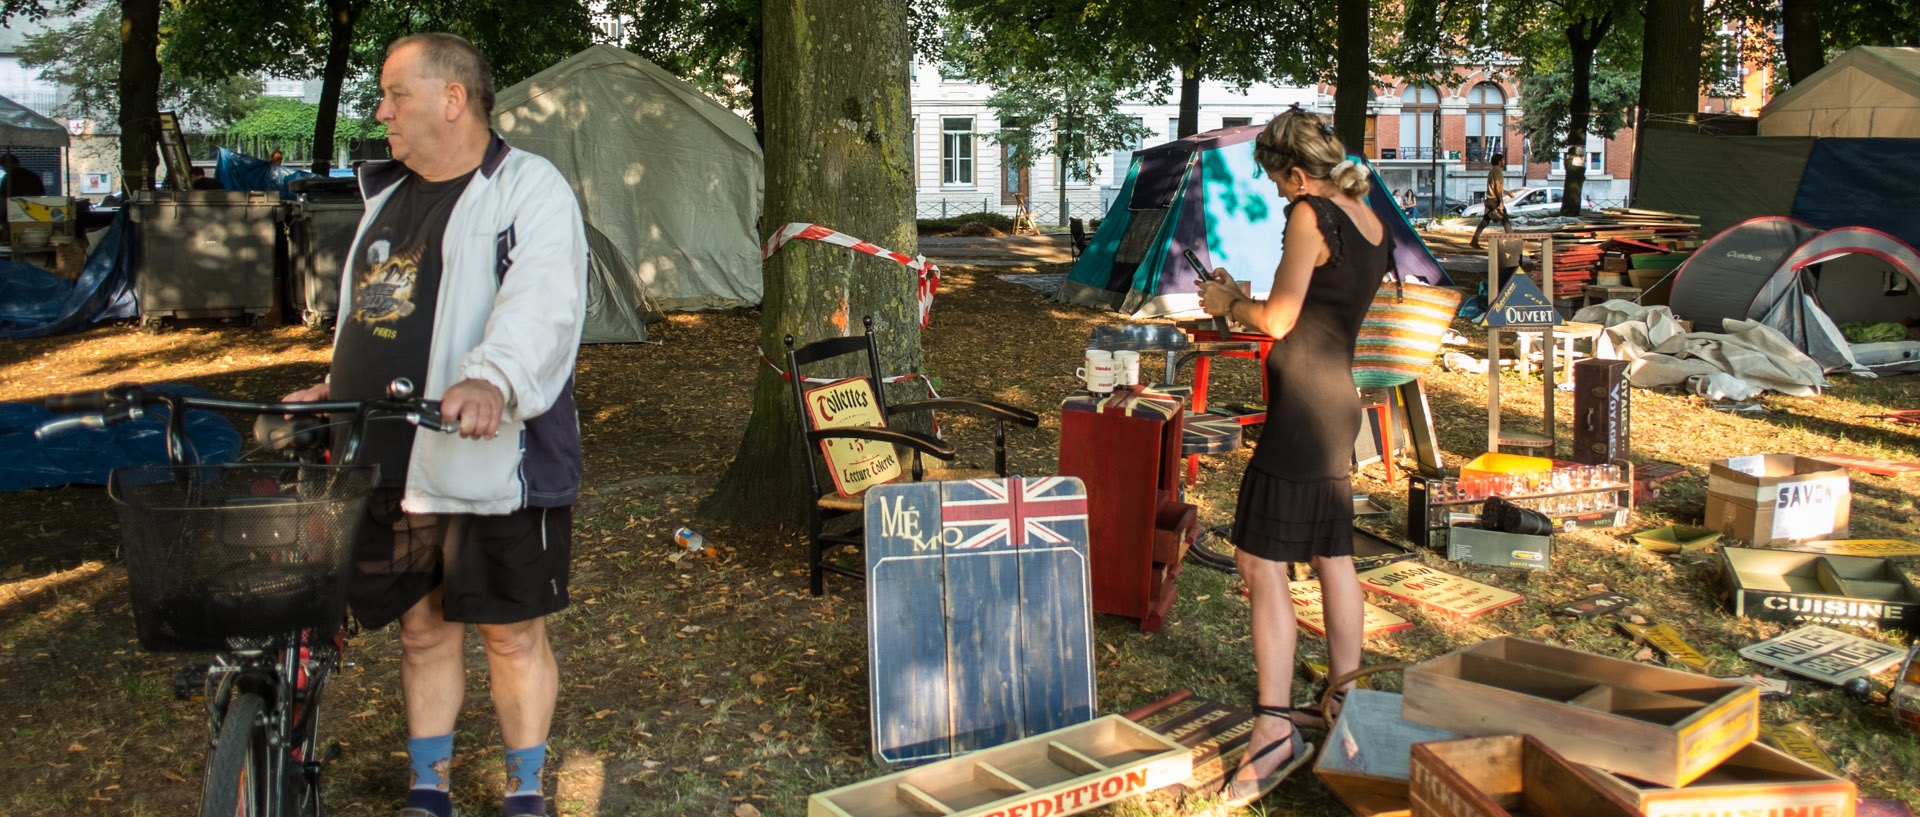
[512, 301]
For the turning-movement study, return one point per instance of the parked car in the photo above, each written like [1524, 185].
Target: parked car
[1532, 202]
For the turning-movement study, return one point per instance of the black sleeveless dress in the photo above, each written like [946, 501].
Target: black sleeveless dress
[1296, 499]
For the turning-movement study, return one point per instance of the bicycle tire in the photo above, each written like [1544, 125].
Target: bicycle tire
[235, 784]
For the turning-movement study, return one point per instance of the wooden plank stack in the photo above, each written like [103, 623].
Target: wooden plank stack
[1581, 249]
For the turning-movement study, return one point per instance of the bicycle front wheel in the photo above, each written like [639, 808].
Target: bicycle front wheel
[236, 783]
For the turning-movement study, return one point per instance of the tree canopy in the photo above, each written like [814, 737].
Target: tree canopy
[84, 57]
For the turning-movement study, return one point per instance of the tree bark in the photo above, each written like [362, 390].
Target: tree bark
[342, 16]
[1670, 64]
[139, 92]
[1189, 102]
[837, 154]
[1583, 39]
[1353, 77]
[1800, 38]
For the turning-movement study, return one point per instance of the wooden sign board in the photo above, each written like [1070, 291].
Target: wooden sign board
[856, 464]
[1434, 590]
[977, 613]
[1068, 770]
[1797, 740]
[1892, 550]
[1871, 465]
[1308, 611]
[1664, 638]
[1599, 605]
[1521, 306]
[1212, 730]
[1824, 654]
[1812, 588]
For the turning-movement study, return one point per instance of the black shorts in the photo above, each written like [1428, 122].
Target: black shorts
[494, 569]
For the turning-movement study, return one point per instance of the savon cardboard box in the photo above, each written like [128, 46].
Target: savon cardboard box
[1769, 499]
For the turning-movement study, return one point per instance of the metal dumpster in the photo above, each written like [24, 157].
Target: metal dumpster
[321, 229]
[205, 254]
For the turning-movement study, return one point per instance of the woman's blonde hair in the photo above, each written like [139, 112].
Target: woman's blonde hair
[1300, 139]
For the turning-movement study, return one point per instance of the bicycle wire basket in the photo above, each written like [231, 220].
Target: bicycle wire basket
[243, 550]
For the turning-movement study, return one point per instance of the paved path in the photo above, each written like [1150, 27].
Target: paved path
[997, 251]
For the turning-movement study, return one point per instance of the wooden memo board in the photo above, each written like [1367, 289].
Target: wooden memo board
[978, 613]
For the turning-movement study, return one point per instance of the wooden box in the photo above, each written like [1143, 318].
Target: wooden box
[1660, 725]
[1758, 779]
[1061, 772]
[1811, 588]
[1365, 761]
[1772, 498]
[1493, 548]
[1502, 776]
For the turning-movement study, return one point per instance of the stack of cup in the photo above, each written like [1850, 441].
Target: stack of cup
[1098, 373]
[1126, 368]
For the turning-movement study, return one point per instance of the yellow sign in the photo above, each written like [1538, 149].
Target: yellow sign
[1307, 607]
[856, 464]
[1797, 739]
[1427, 587]
[1882, 548]
[1663, 638]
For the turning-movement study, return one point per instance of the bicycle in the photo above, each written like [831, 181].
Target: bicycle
[248, 560]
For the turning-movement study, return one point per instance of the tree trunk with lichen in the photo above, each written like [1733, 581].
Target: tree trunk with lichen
[838, 132]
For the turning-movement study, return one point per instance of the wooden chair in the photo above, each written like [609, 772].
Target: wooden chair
[823, 413]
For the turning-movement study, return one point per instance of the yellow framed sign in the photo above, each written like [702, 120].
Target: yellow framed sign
[856, 464]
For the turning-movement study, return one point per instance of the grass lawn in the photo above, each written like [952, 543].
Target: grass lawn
[718, 685]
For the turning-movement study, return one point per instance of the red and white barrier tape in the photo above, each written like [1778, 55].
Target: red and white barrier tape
[929, 273]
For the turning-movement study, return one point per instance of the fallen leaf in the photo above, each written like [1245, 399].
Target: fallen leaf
[1637, 619]
[600, 714]
[76, 747]
[746, 810]
[1645, 654]
[14, 572]
[758, 679]
[367, 714]
[691, 628]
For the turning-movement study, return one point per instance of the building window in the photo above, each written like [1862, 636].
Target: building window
[1419, 107]
[1596, 157]
[1235, 121]
[1369, 144]
[1486, 124]
[1014, 181]
[1124, 157]
[1080, 147]
[956, 150]
[1173, 128]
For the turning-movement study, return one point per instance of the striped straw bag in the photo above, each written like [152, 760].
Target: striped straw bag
[1402, 333]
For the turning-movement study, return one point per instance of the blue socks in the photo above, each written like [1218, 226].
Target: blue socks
[523, 782]
[430, 759]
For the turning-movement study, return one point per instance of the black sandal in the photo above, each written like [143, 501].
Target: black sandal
[1317, 719]
[1236, 793]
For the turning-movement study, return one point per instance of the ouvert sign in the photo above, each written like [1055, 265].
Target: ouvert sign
[1521, 306]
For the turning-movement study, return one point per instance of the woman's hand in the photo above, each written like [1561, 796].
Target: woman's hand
[1216, 298]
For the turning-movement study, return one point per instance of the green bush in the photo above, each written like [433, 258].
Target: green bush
[928, 226]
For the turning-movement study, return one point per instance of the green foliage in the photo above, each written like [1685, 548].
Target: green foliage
[997, 221]
[1079, 111]
[1544, 99]
[280, 119]
[518, 37]
[215, 38]
[84, 57]
[712, 44]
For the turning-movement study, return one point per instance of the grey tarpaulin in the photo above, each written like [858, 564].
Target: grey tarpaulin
[1722, 179]
[20, 127]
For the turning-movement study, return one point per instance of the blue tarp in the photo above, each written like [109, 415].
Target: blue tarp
[34, 303]
[238, 171]
[1862, 183]
[83, 456]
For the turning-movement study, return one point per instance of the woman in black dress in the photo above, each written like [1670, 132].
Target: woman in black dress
[1296, 501]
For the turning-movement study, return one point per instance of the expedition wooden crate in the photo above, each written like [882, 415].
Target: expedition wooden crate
[1061, 772]
[1659, 725]
[1365, 760]
[1503, 776]
[1758, 777]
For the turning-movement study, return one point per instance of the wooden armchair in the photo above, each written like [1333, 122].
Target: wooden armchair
[843, 431]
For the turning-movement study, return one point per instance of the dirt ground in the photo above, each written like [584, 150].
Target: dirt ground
[718, 685]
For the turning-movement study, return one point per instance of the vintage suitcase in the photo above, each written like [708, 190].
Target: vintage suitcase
[1602, 408]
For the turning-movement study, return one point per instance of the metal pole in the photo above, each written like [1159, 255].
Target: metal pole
[1434, 151]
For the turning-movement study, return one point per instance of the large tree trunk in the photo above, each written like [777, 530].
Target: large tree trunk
[139, 92]
[1800, 38]
[1670, 64]
[1583, 39]
[837, 154]
[1189, 102]
[342, 15]
[1353, 77]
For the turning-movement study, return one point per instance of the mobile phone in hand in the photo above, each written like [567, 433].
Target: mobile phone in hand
[1200, 272]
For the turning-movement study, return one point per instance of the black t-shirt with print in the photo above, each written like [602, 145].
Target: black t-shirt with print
[386, 329]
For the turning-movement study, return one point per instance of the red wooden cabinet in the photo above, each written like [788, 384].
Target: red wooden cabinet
[1126, 448]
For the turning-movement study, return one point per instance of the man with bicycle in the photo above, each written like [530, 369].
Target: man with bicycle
[468, 276]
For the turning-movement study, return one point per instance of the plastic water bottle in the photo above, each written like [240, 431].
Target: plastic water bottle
[692, 542]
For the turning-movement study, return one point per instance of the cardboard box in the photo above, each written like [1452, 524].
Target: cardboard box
[1768, 499]
[1660, 725]
[1758, 778]
[1812, 588]
[1504, 776]
[1497, 549]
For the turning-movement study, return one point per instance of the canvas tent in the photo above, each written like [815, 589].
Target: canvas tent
[1802, 281]
[1203, 193]
[1867, 91]
[21, 127]
[669, 176]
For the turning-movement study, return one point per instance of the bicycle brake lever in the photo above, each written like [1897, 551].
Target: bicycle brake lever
[52, 427]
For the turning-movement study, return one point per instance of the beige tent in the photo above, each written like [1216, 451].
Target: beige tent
[671, 177]
[1868, 91]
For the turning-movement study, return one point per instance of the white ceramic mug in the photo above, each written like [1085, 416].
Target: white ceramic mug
[1126, 368]
[1098, 373]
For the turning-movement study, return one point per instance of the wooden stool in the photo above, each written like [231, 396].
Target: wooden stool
[1594, 333]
